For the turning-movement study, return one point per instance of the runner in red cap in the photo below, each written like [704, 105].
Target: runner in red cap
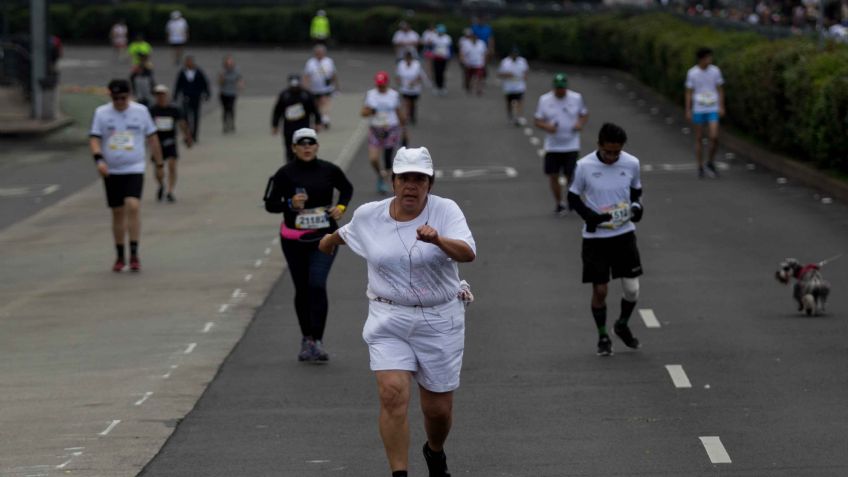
[383, 107]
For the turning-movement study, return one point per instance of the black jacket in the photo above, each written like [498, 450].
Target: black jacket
[291, 97]
[195, 90]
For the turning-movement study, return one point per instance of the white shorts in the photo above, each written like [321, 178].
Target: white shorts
[427, 341]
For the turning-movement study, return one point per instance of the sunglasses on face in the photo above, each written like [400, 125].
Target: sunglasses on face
[307, 142]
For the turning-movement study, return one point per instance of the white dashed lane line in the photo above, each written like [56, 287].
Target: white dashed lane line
[248, 277]
[190, 348]
[268, 251]
[715, 450]
[169, 373]
[110, 428]
[144, 398]
[649, 318]
[208, 327]
[257, 264]
[678, 376]
[223, 308]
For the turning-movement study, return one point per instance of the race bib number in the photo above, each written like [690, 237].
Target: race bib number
[620, 216]
[122, 141]
[295, 112]
[316, 218]
[381, 120]
[706, 99]
[164, 123]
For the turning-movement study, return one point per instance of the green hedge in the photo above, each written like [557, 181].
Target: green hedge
[791, 94]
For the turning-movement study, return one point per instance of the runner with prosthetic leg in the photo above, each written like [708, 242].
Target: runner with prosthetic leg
[606, 192]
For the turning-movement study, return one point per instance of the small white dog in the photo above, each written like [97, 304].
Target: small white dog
[810, 290]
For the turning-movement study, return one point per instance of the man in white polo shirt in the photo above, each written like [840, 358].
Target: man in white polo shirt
[561, 113]
[606, 192]
[122, 132]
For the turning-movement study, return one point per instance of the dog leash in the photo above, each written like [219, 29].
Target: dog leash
[831, 259]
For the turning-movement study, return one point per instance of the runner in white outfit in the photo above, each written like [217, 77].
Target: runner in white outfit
[416, 319]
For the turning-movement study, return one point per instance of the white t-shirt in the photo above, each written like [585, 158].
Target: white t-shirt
[390, 247]
[564, 112]
[177, 31]
[385, 107]
[704, 84]
[442, 46]
[320, 73]
[427, 38]
[123, 136]
[517, 69]
[405, 41]
[119, 34]
[410, 77]
[474, 54]
[606, 188]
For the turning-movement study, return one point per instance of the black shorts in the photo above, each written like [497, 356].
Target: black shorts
[510, 97]
[412, 97]
[617, 255]
[565, 162]
[170, 152]
[121, 186]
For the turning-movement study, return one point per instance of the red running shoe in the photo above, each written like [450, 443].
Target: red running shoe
[135, 264]
[119, 265]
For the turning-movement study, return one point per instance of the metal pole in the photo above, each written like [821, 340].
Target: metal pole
[38, 53]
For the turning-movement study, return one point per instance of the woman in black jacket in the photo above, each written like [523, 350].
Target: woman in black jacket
[303, 191]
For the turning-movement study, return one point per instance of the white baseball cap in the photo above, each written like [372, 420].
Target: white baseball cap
[161, 88]
[304, 133]
[416, 159]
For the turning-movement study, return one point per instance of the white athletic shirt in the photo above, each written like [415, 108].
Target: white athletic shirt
[177, 31]
[427, 37]
[704, 85]
[123, 136]
[606, 188]
[517, 68]
[389, 246]
[385, 106]
[410, 77]
[320, 73]
[405, 41]
[119, 34]
[442, 46]
[474, 54]
[564, 112]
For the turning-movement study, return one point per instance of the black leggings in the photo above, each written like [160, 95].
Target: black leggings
[439, 66]
[228, 105]
[309, 269]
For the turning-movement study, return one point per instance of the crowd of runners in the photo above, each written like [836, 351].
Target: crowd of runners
[411, 239]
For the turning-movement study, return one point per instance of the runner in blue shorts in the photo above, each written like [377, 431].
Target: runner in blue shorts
[704, 106]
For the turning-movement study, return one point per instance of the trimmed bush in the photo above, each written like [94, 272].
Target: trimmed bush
[791, 94]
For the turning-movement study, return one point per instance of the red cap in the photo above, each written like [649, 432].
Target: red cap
[381, 78]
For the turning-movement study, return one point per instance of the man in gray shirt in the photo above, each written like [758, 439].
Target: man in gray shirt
[230, 83]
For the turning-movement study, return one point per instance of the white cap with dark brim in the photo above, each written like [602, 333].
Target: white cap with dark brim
[304, 133]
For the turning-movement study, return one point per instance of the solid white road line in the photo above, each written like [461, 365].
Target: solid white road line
[678, 376]
[109, 429]
[715, 450]
[144, 398]
[208, 327]
[190, 348]
[649, 318]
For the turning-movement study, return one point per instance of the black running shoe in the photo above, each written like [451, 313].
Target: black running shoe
[712, 172]
[623, 332]
[160, 193]
[605, 346]
[437, 463]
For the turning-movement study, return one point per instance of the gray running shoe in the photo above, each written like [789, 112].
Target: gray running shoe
[318, 351]
[307, 347]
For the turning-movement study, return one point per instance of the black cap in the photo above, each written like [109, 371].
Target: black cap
[119, 86]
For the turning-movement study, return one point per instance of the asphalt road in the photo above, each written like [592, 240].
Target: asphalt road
[769, 383]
